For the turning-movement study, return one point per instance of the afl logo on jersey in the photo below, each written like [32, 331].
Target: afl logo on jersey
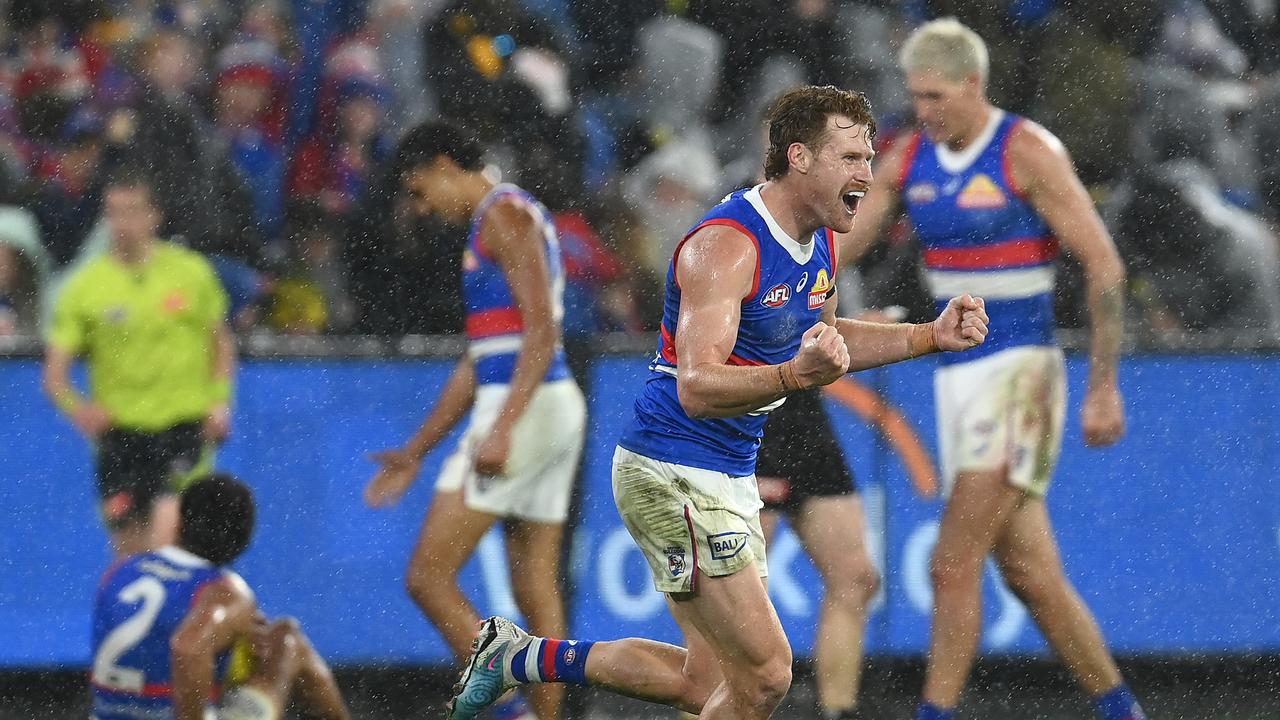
[922, 193]
[777, 296]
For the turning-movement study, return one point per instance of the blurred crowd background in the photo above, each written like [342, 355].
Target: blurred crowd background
[270, 127]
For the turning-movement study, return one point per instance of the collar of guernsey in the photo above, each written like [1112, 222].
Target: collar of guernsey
[146, 333]
[792, 283]
[494, 326]
[981, 236]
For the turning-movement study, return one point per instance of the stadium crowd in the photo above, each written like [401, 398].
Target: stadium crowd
[269, 127]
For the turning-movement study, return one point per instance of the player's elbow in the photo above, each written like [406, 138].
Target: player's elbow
[539, 339]
[1106, 271]
[187, 648]
[691, 401]
[52, 377]
[695, 408]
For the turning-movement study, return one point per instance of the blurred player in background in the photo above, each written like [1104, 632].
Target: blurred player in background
[150, 319]
[517, 461]
[802, 474]
[991, 195]
[749, 318]
[165, 623]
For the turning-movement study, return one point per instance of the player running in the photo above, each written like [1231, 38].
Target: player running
[749, 317]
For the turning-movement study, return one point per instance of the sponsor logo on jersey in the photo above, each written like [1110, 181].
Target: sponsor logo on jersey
[922, 193]
[726, 545]
[820, 291]
[777, 296]
[675, 560]
[981, 193]
[804, 280]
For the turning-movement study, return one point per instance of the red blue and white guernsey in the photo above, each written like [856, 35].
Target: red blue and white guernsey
[140, 604]
[494, 326]
[792, 283]
[981, 236]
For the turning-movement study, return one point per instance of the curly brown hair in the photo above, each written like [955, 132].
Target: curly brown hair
[800, 116]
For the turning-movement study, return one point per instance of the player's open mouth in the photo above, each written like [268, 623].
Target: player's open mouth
[851, 200]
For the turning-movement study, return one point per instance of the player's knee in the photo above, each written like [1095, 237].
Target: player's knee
[855, 586]
[699, 683]
[766, 684]
[286, 626]
[422, 583]
[867, 581]
[947, 570]
[1032, 587]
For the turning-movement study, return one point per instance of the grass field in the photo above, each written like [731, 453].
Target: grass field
[1245, 688]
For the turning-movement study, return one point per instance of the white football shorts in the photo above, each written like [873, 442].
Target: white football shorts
[1005, 410]
[545, 445]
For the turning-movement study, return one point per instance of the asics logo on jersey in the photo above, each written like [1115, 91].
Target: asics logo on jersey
[922, 193]
[804, 280]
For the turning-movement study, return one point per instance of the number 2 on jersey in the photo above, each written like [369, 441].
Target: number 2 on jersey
[127, 635]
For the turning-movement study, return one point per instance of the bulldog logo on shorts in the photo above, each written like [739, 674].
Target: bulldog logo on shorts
[675, 560]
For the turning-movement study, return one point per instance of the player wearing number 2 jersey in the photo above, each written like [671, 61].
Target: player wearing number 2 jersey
[165, 623]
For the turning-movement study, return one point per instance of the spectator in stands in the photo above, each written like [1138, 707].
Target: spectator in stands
[248, 114]
[503, 72]
[405, 269]
[204, 198]
[669, 191]
[336, 164]
[310, 297]
[51, 78]
[68, 199]
[397, 25]
[24, 272]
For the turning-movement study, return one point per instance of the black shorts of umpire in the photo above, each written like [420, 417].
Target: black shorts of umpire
[134, 467]
[800, 457]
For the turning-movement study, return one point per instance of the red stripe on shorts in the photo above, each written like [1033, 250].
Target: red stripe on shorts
[693, 543]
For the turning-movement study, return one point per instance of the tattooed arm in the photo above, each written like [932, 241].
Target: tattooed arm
[1041, 168]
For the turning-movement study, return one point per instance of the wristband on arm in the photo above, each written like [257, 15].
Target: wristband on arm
[921, 340]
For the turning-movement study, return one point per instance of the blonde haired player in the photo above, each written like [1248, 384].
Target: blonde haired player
[992, 196]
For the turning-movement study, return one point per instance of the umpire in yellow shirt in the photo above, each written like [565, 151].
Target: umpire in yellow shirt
[149, 317]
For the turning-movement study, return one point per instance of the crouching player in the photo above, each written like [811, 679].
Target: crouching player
[165, 624]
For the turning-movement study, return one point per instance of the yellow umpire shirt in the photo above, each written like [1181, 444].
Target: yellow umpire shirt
[146, 333]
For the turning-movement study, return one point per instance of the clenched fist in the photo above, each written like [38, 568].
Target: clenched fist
[823, 357]
[962, 325]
